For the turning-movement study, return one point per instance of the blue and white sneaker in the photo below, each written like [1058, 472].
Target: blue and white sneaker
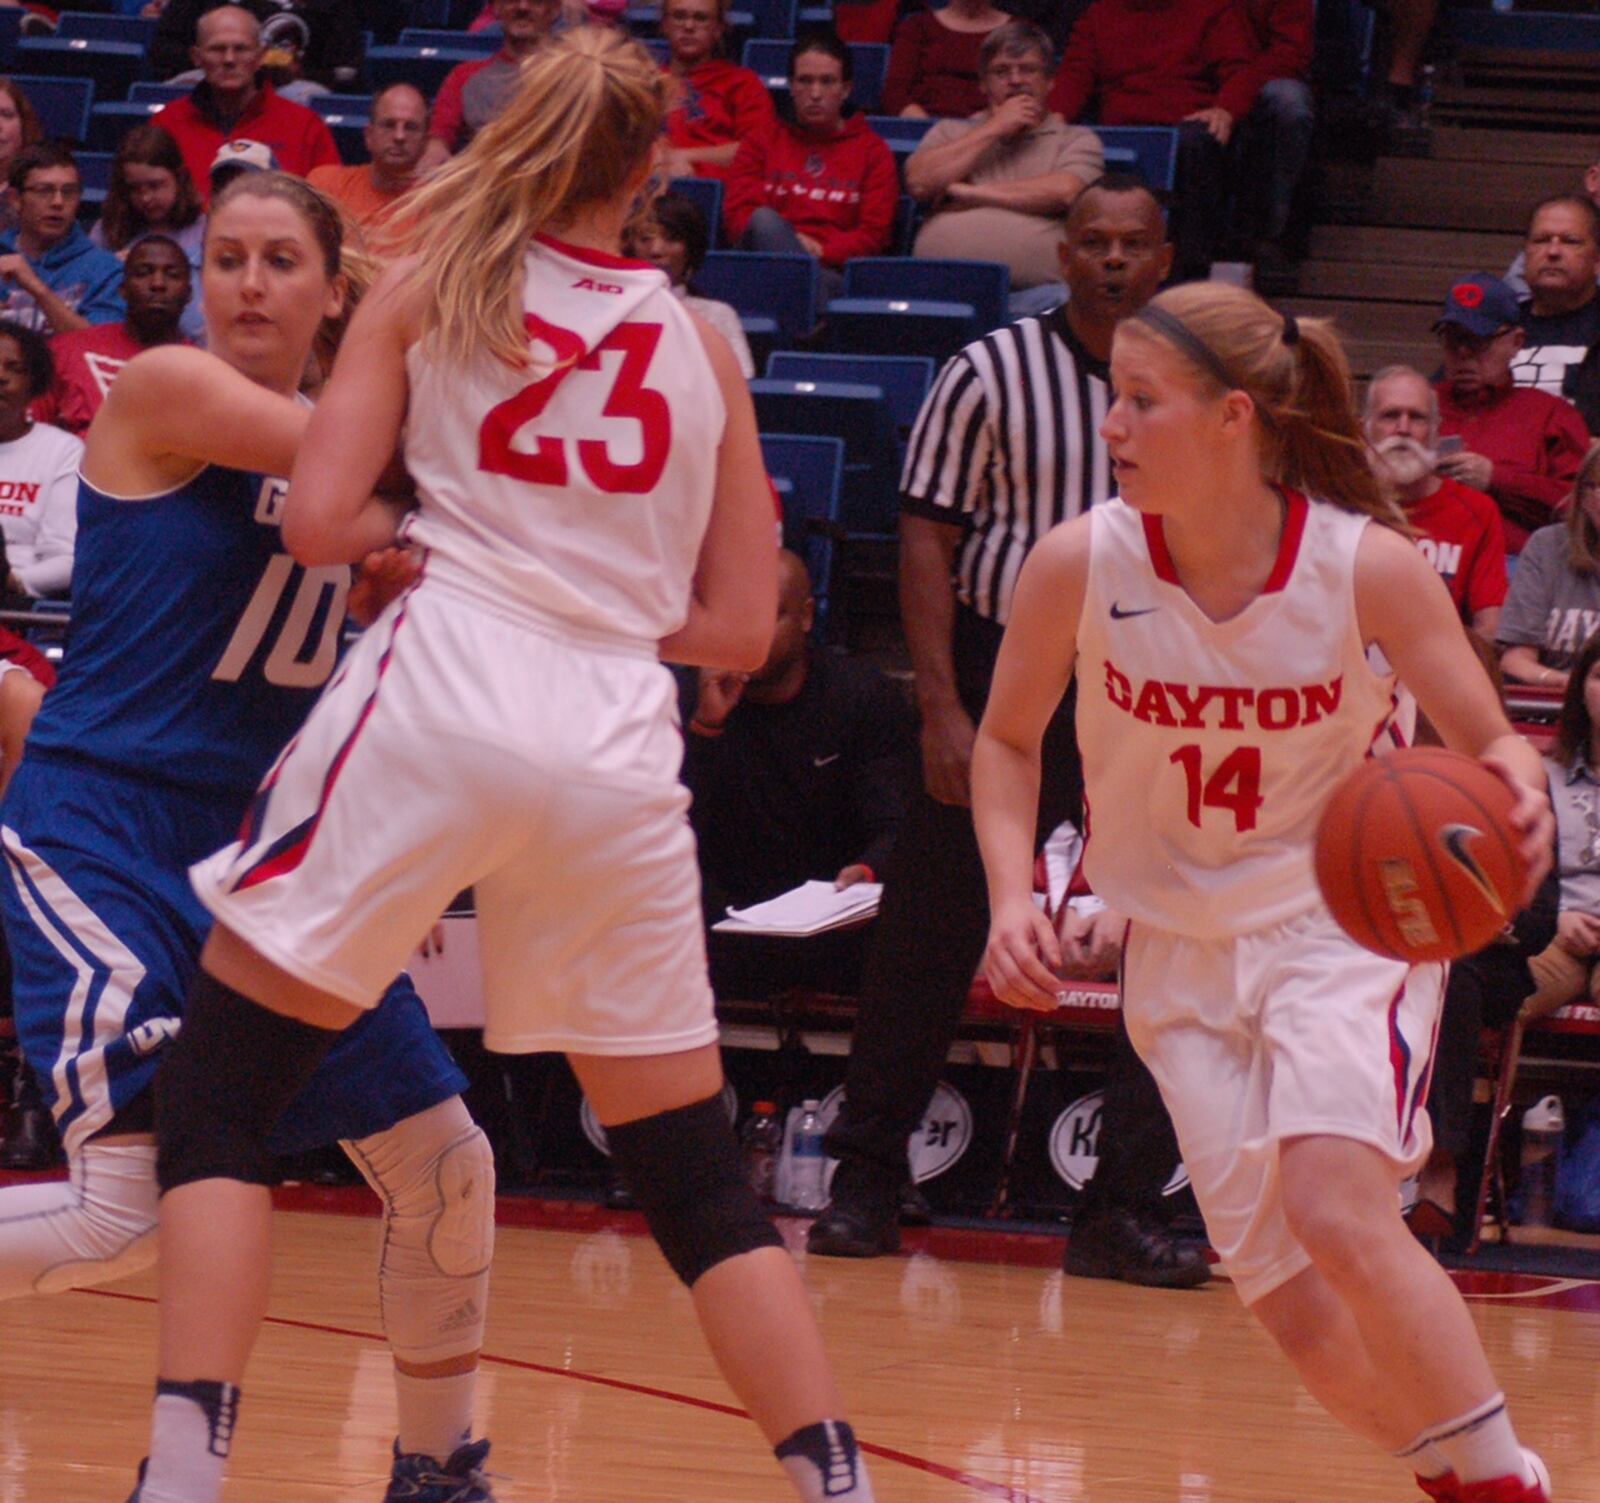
[421, 1479]
[138, 1487]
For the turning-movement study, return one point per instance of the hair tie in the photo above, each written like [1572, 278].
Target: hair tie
[1291, 330]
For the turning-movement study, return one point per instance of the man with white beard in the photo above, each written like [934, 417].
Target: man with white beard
[1460, 528]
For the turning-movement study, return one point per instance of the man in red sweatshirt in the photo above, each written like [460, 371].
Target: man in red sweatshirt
[720, 104]
[825, 185]
[1189, 63]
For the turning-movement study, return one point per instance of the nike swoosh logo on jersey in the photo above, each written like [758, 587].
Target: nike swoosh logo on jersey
[1456, 840]
[824, 761]
[1118, 614]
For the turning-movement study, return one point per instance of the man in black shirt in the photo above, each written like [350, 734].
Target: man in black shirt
[1561, 318]
[800, 771]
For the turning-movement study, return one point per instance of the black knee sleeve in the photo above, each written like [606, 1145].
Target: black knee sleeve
[684, 1170]
[224, 1082]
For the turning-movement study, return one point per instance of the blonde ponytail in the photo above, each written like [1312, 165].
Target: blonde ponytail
[1296, 373]
[586, 115]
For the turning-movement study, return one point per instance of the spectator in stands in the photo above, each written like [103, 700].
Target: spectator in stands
[721, 105]
[156, 284]
[800, 771]
[1561, 317]
[1553, 606]
[396, 136]
[934, 66]
[233, 102]
[1399, 101]
[152, 193]
[1516, 277]
[1007, 445]
[54, 278]
[824, 184]
[19, 128]
[1520, 445]
[1186, 63]
[1002, 182]
[38, 472]
[1275, 137]
[324, 35]
[1460, 531]
[474, 93]
[675, 237]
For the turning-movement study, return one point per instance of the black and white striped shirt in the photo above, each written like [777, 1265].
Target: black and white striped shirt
[1008, 442]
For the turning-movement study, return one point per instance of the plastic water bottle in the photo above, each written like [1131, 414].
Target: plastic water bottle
[1542, 1126]
[763, 1145]
[808, 1169]
[1425, 87]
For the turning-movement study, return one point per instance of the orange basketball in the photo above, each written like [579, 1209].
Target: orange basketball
[1416, 855]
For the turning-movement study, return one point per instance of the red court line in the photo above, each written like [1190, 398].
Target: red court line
[978, 1485]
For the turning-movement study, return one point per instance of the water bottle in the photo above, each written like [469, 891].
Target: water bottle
[1425, 86]
[808, 1167]
[763, 1144]
[1542, 1126]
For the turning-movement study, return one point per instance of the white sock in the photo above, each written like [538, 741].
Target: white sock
[1424, 1457]
[191, 1431]
[824, 1464]
[435, 1413]
[1481, 1445]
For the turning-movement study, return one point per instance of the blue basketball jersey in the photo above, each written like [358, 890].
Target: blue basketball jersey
[196, 645]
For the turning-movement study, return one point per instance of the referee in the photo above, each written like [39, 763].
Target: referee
[1006, 446]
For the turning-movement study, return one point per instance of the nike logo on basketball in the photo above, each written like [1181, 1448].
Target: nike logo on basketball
[826, 761]
[1118, 614]
[1456, 840]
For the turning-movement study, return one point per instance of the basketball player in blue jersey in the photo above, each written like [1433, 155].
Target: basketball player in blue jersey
[196, 648]
[1219, 615]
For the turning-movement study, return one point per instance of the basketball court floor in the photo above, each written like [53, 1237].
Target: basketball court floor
[973, 1369]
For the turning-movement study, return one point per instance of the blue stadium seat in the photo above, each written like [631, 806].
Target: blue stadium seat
[113, 66]
[782, 287]
[859, 415]
[1525, 30]
[109, 123]
[907, 221]
[146, 92]
[808, 473]
[900, 326]
[458, 41]
[707, 194]
[95, 169]
[346, 116]
[343, 106]
[904, 379]
[426, 67]
[10, 31]
[986, 285]
[769, 57]
[140, 30]
[901, 133]
[656, 47]
[62, 104]
[1149, 150]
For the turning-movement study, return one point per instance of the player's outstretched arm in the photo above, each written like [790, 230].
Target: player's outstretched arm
[1403, 607]
[733, 605]
[332, 515]
[1034, 668]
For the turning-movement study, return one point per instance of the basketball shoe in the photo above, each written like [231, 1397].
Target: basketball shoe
[1449, 1489]
[422, 1479]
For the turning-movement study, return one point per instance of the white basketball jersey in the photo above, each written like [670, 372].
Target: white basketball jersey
[577, 490]
[1210, 748]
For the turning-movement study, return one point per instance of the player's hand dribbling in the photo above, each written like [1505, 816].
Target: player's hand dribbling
[947, 738]
[1532, 819]
[1023, 957]
[719, 697]
[1091, 942]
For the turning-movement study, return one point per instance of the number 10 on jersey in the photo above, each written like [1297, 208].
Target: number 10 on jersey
[1234, 785]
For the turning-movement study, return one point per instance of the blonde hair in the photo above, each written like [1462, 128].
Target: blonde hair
[1583, 537]
[1296, 374]
[584, 120]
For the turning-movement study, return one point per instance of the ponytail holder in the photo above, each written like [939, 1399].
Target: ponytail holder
[1291, 330]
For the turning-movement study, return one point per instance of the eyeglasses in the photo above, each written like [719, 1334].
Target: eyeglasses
[64, 191]
[1016, 70]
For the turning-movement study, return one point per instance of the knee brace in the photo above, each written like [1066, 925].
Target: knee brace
[684, 1170]
[98, 1227]
[224, 1082]
[434, 1172]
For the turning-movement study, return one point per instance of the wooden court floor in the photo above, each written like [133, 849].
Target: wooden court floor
[972, 1380]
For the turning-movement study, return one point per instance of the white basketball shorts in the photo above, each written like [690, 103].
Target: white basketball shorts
[1286, 1032]
[459, 747]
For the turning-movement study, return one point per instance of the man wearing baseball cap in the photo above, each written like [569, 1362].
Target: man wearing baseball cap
[1521, 445]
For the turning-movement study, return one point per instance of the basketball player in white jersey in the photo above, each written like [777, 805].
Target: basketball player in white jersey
[1219, 616]
[591, 499]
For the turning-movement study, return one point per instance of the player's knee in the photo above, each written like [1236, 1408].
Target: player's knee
[683, 1168]
[443, 1206]
[224, 1082]
[1341, 1239]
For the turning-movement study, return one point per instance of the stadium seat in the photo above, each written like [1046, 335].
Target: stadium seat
[62, 104]
[907, 221]
[1151, 151]
[901, 133]
[10, 30]
[656, 47]
[140, 30]
[781, 287]
[114, 66]
[904, 379]
[426, 67]
[707, 194]
[1528, 30]
[859, 415]
[986, 285]
[808, 472]
[347, 117]
[458, 41]
[769, 57]
[95, 169]
[109, 123]
[147, 92]
[900, 326]
[343, 106]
